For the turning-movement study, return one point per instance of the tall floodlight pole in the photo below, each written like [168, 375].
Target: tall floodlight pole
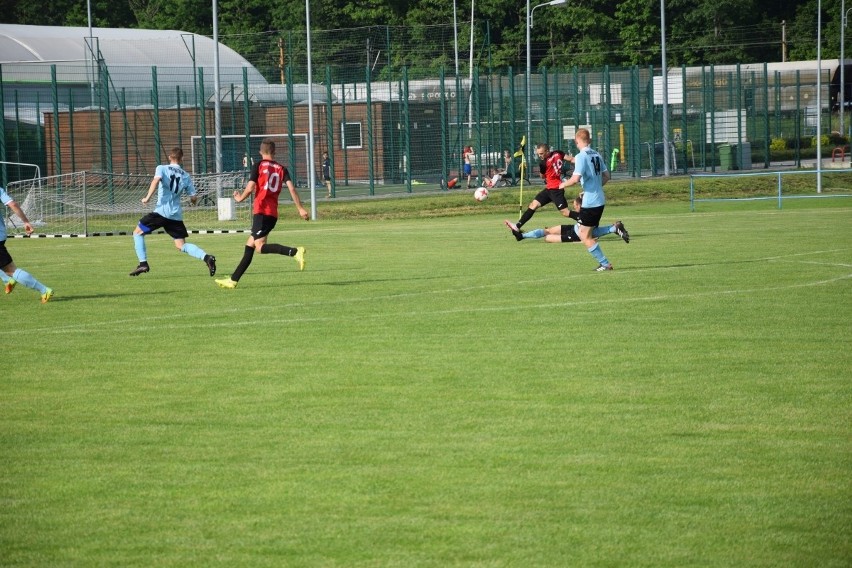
[844, 20]
[529, 65]
[456, 48]
[217, 105]
[456, 39]
[313, 174]
[665, 88]
[819, 96]
[470, 77]
[91, 52]
[529, 92]
[842, 62]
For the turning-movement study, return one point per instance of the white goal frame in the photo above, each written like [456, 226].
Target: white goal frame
[282, 152]
[778, 196]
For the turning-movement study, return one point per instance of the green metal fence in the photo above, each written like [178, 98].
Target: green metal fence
[400, 134]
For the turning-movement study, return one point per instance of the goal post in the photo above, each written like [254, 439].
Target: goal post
[234, 157]
[93, 203]
[11, 220]
[768, 186]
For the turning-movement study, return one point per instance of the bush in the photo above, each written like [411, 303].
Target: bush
[778, 144]
[823, 140]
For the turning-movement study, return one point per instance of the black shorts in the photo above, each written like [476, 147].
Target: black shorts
[262, 225]
[569, 235]
[5, 257]
[555, 196]
[153, 221]
[591, 216]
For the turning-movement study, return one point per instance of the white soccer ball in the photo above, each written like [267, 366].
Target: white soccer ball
[481, 194]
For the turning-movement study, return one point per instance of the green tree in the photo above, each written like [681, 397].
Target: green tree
[193, 16]
[802, 31]
[590, 33]
[638, 23]
[584, 34]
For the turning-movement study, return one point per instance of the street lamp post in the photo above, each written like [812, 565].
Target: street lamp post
[91, 41]
[665, 88]
[312, 177]
[529, 62]
[819, 97]
[217, 102]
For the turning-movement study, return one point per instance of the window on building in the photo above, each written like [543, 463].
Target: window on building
[350, 134]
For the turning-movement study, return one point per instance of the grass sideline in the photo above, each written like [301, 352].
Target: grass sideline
[430, 392]
[659, 191]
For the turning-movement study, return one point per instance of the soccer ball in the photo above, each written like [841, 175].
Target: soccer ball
[481, 194]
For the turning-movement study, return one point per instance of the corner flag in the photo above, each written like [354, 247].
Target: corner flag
[520, 151]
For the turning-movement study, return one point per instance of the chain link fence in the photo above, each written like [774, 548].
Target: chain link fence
[393, 114]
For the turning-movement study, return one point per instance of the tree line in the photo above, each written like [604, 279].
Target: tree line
[583, 33]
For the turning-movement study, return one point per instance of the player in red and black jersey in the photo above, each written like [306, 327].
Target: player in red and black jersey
[552, 167]
[267, 178]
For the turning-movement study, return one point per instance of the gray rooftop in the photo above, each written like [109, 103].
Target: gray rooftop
[27, 53]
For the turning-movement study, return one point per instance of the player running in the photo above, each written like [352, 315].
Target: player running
[266, 179]
[170, 182]
[9, 273]
[590, 171]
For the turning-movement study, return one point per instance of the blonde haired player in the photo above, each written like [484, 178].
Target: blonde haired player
[589, 171]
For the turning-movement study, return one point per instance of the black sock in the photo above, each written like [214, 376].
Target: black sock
[525, 217]
[277, 249]
[248, 253]
[143, 263]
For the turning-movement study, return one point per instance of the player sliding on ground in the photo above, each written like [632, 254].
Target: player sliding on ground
[267, 176]
[568, 233]
[170, 182]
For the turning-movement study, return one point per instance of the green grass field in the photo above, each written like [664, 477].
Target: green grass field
[429, 392]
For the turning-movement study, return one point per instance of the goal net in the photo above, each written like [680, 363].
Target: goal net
[91, 203]
[293, 156]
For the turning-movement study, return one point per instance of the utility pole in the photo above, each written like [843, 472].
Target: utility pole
[783, 41]
[819, 97]
[281, 59]
[665, 88]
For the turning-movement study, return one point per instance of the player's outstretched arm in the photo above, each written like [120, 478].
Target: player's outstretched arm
[151, 189]
[240, 196]
[28, 228]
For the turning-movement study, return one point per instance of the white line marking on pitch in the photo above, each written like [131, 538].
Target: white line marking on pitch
[180, 324]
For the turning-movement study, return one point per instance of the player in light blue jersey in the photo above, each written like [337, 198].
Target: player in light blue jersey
[9, 273]
[170, 182]
[590, 171]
